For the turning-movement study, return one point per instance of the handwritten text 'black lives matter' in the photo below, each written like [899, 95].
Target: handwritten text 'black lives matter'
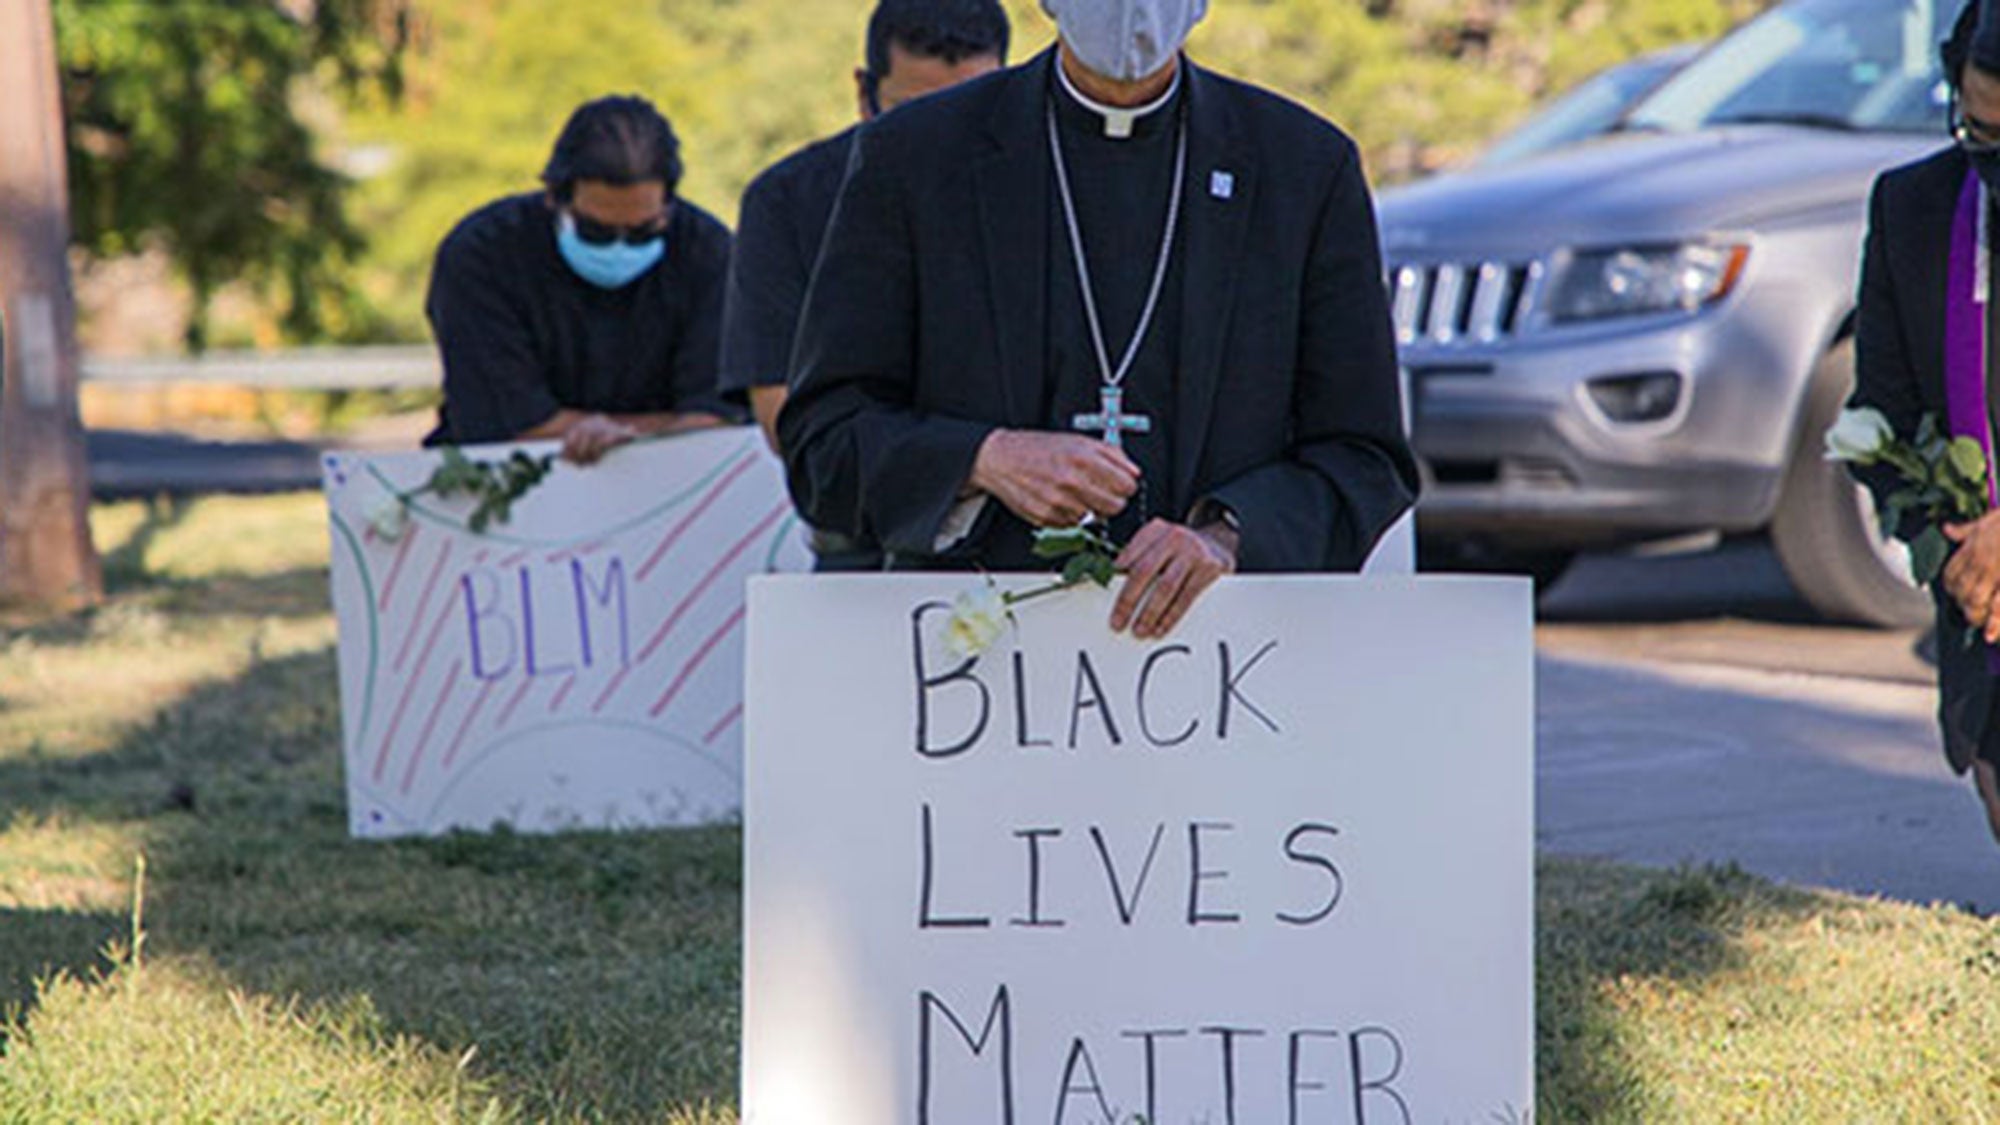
[1125, 875]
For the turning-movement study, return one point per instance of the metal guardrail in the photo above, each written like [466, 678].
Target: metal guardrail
[326, 369]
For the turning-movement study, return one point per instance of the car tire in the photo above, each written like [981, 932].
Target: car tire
[1546, 568]
[1826, 533]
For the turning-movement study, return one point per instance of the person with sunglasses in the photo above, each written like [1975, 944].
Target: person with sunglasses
[914, 48]
[1925, 346]
[590, 311]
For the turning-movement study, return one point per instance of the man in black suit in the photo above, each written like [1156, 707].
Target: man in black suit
[1900, 370]
[914, 48]
[1107, 284]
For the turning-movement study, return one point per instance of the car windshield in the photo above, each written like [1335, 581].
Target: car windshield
[1588, 110]
[1860, 65]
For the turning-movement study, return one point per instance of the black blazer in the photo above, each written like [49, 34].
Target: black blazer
[925, 327]
[1899, 370]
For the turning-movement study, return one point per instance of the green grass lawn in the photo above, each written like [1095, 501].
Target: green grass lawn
[287, 973]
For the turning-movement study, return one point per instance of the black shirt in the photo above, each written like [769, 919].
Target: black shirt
[778, 234]
[523, 336]
[1122, 188]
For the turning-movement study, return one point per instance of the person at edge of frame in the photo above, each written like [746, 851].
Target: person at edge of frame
[1904, 364]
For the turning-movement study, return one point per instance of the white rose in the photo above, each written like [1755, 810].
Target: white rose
[978, 617]
[390, 519]
[1858, 435]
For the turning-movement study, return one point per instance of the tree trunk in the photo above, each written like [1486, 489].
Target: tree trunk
[46, 556]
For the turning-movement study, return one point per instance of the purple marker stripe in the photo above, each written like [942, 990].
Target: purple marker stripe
[727, 720]
[697, 660]
[409, 689]
[507, 713]
[424, 603]
[673, 619]
[465, 727]
[430, 725]
[562, 693]
[396, 567]
[687, 521]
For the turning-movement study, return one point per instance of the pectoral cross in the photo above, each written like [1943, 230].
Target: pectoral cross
[1112, 419]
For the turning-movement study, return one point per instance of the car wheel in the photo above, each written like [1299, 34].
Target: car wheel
[1546, 568]
[1826, 532]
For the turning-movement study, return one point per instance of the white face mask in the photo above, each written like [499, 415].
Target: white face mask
[1125, 39]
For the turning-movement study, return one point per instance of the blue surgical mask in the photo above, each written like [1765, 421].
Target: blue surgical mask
[609, 266]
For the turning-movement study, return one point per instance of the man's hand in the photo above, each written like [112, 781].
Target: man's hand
[1972, 577]
[1167, 566]
[1054, 480]
[591, 437]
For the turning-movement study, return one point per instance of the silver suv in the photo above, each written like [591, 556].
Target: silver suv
[1642, 337]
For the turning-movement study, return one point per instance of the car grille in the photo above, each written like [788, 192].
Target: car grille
[1444, 303]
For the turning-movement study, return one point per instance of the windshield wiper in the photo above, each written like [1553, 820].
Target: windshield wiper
[1802, 119]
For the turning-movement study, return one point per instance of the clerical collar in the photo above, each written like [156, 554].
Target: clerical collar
[1119, 120]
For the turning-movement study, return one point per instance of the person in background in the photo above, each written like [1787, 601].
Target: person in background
[590, 311]
[1924, 345]
[914, 48]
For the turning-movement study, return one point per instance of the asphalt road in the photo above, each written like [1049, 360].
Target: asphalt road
[1691, 708]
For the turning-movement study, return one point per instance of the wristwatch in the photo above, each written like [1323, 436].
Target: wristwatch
[1209, 510]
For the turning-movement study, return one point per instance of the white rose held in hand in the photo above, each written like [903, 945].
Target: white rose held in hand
[1858, 435]
[390, 519]
[978, 617]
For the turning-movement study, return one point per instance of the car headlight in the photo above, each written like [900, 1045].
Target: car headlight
[1645, 280]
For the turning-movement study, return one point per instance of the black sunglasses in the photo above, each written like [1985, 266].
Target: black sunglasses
[1973, 135]
[604, 234]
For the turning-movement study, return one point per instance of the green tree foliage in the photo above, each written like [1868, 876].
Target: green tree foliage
[189, 130]
[743, 81]
[200, 123]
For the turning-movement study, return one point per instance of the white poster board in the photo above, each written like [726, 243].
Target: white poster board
[1276, 869]
[577, 666]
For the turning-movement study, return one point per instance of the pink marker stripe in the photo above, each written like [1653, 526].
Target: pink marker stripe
[673, 619]
[409, 689]
[507, 712]
[695, 662]
[424, 603]
[687, 521]
[728, 720]
[430, 724]
[396, 567]
[562, 693]
[465, 727]
[515, 559]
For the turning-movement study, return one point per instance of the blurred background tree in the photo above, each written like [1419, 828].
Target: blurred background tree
[229, 131]
[193, 128]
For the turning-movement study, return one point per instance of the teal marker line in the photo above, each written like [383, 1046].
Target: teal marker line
[418, 508]
[374, 626]
[778, 542]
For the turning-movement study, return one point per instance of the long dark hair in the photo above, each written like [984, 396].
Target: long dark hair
[619, 140]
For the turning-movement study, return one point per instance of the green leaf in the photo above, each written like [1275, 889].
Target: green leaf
[1077, 570]
[1928, 553]
[1969, 459]
[1058, 543]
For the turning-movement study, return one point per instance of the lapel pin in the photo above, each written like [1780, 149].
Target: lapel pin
[1221, 184]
